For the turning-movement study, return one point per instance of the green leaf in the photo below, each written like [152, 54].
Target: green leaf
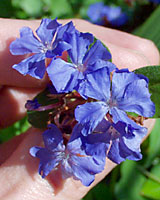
[130, 184]
[58, 8]
[40, 119]
[6, 9]
[45, 99]
[100, 191]
[151, 189]
[32, 7]
[153, 74]
[151, 28]
[16, 129]
[154, 144]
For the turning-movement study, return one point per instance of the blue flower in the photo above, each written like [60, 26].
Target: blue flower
[155, 1]
[101, 14]
[32, 104]
[129, 93]
[123, 142]
[115, 16]
[41, 45]
[67, 76]
[72, 158]
[95, 12]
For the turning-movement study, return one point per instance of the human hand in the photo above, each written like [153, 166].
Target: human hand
[19, 177]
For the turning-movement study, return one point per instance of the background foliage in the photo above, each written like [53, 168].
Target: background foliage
[130, 180]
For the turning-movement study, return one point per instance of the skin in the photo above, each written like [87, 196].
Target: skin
[18, 171]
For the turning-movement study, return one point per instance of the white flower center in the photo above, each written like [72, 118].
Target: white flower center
[112, 103]
[81, 68]
[46, 47]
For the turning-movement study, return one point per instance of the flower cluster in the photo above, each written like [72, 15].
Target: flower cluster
[107, 14]
[97, 110]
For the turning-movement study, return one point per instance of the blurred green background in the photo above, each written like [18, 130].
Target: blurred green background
[130, 180]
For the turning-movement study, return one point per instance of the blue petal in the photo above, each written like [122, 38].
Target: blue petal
[96, 146]
[81, 173]
[84, 169]
[32, 104]
[91, 114]
[63, 75]
[80, 43]
[48, 161]
[96, 85]
[46, 30]
[97, 51]
[60, 47]
[102, 126]
[138, 135]
[67, 28]
[27, 43]
[74, 145]
[125, 142]
[93, 145]
[76, 133]
[34, 66]
[136, 98]
[53, 138]
[128, 153]
[119, 152]
[59, 44]
[132, 137]
[120, 115]
[79, 165]
[99, 64]
[120, 80]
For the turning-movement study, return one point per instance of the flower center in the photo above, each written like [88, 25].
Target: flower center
[81, 68]
[47, 46]
[112, 103]
[64, 155]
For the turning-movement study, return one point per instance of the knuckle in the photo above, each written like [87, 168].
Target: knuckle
[149, 49]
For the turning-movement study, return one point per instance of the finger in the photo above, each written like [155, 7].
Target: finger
[122, 39]
[7, 148]
[20, 179]
[11, 30]
[127, 58]
[12, 104]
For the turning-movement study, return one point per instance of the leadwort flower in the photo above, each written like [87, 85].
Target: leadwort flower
[71, 158]
[101, 14]
[85, 62]
[123, 142]
[129, 93]
[41, 44]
